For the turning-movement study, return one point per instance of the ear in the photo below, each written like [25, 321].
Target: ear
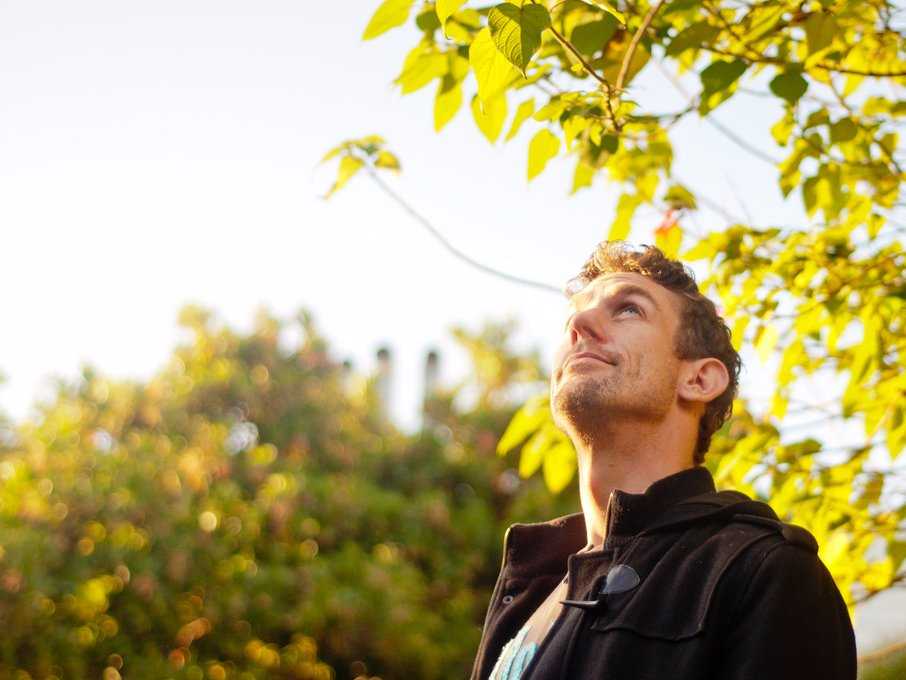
[701, 380]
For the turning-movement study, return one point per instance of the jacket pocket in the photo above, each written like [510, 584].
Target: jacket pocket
[677, 590]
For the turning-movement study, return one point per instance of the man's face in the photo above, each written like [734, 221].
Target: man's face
[630, 322]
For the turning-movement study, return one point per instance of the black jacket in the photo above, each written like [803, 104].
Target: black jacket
[725, 591]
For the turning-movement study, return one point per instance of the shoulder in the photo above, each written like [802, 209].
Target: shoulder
[733, 511]
[772, 558]
[747, 534]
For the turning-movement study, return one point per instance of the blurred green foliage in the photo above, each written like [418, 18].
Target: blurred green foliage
[248, 513]
[890, 666]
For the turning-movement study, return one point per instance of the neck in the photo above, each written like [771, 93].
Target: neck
[629, 461]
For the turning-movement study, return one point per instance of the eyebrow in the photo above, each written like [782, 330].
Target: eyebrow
[624, 291]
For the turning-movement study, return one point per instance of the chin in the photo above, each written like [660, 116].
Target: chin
[578, 399]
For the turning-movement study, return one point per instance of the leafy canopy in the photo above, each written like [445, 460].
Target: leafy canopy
[819, 300]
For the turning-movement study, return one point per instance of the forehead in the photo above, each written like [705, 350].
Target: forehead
[616, 283]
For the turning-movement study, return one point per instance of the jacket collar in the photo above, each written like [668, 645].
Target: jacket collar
[626, 514]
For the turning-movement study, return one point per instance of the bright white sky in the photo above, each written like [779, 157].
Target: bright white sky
[159, 153]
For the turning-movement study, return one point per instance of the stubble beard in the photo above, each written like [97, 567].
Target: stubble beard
[588, 406]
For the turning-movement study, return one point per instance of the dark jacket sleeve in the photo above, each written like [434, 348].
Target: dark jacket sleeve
[791, 623]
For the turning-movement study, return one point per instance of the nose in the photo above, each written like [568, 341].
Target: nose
[589, 324]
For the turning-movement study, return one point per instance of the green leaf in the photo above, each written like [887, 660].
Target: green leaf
[543, 147]
[719, 75]
[789, 86]
[696, 35]
[820, 29]
[810, 195]
[591, 37]
[445, 8]
[492, 70]
[447, 101]
[679, 196]
[526, 109]
[516, 31]
[718, 80]
[490, 116]
[610, 143]
[817, 118]
[427, 20]
[349, 166]
[390, 14]
[843, 130]
[609, 8]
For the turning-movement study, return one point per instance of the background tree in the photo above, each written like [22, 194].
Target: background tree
[249, 513]
[822, 297]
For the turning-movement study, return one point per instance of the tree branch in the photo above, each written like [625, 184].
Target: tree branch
[450, 248]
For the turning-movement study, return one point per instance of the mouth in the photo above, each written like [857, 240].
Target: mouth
[587, 356]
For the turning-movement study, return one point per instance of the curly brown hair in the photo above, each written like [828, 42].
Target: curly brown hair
[701, 333]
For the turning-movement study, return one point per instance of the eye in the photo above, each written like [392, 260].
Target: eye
[630, 305]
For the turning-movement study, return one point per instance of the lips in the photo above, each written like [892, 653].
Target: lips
[590, 355]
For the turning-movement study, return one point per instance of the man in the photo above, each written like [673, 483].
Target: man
[659, 576]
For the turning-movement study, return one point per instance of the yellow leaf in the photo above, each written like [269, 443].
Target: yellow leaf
[446, 102]
[543, 147]
[609, 8]
[669, 240]
[390, 14]
[526, 109]
[766, 343]
[445, 8]
[739, 331]
[778, 405]
[421, 66]
[572, 128]
[533, 452]
[528, 419]
[583, 176]
[622, 223]
[559, 466]
[387, 160]
[349, 166]
[490, 117]
[334, 152]
[492, 70]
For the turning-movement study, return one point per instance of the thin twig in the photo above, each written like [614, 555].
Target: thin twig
[633, 45]
[720, 127]
[450, 248]
[741, 143]
[712, 204]
[762, 59]
[572, 50]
